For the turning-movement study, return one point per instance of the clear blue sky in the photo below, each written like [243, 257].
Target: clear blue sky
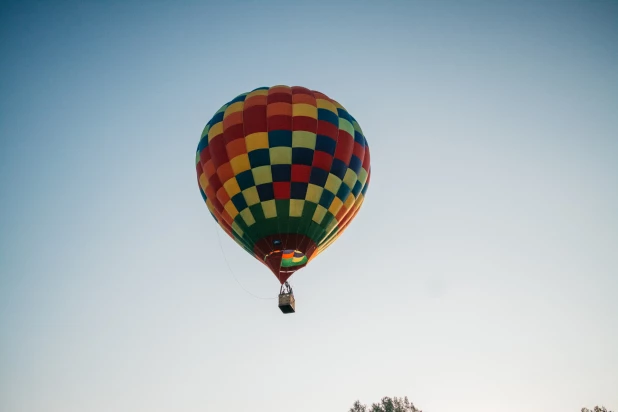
[480, 275]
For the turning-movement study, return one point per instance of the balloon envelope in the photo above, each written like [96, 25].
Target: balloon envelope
[283, 170]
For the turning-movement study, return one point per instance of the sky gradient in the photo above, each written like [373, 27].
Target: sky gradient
[480, 275]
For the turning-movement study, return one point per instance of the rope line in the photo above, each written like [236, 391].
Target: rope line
[230, 268]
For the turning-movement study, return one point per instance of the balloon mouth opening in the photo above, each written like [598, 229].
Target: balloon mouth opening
[285, 253]
[285, 262]
[289, 257]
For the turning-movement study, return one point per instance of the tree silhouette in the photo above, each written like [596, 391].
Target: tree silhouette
[596, 409]
[387, 404]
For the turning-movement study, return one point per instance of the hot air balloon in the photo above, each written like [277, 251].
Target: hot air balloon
[283, 170]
